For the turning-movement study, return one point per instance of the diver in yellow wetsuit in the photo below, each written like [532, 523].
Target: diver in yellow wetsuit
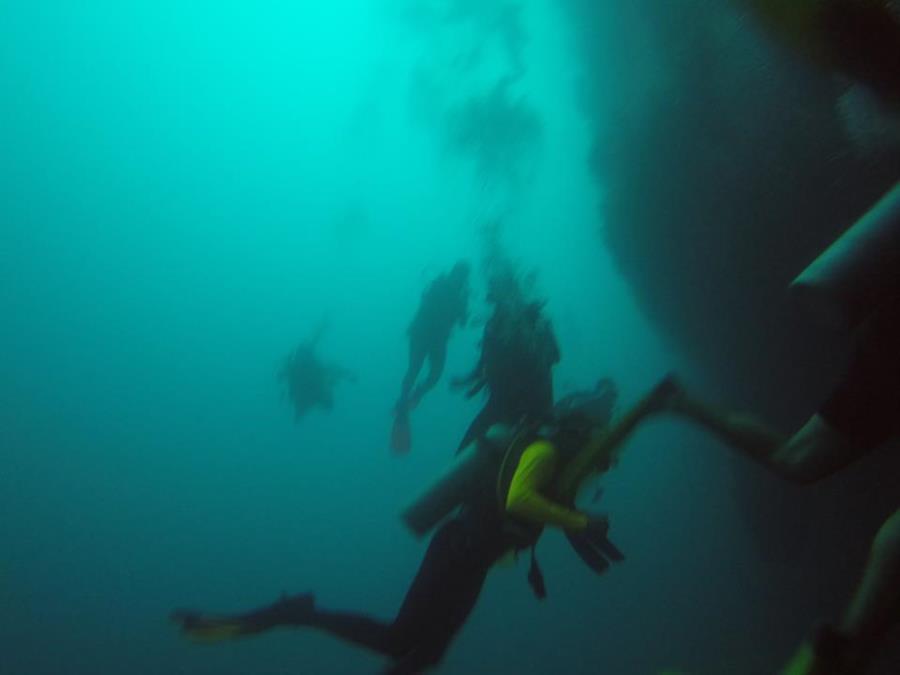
[529, 481]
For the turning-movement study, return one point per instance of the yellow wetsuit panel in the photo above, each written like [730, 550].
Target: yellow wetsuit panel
[215, 631]
[536, 470]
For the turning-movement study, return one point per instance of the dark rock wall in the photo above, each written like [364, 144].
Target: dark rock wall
[724, 168]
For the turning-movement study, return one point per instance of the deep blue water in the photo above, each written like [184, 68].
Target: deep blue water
[186, 191]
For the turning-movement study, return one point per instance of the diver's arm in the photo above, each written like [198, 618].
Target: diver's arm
[602, 452]
[814, 452]
[525, 501]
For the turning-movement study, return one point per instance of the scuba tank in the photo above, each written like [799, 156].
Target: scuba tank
[494, 457]
[459, 482]
[483, 472]
[851, 278]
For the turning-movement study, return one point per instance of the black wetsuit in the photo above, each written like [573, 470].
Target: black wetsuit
[438, 601]
[443, 592]
[865, 406]
[516, 367]
[443, 305]
[436, 606]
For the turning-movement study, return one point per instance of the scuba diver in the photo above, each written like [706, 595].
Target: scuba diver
[515, 367]
[854, 285]
[862, 413]
[310, 382]
[857, 38]
[444, 304]
[507, 487]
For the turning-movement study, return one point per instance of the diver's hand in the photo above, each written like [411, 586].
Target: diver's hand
[589, 543]
[592, 545]
[597, 527]
[666, 395]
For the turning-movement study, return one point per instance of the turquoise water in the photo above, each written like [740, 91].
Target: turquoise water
[188, 190]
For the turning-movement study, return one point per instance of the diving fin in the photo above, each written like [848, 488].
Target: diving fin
[206, 629]
[289, 610]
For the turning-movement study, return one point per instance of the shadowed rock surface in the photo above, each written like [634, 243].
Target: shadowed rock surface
[725, 165]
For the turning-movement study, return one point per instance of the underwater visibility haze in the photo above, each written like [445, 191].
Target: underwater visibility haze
[216, 224]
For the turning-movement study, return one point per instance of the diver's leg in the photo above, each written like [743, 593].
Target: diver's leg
[815, 451]
[288, 611]
[441, 597]
[874, 610]
[738, 430]
[417, 354]
[437, 603]
[856, 416]
[359, 629]
[439, 600]
[875, 607]
[292, 611]
[418, 660]
[437, 356]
